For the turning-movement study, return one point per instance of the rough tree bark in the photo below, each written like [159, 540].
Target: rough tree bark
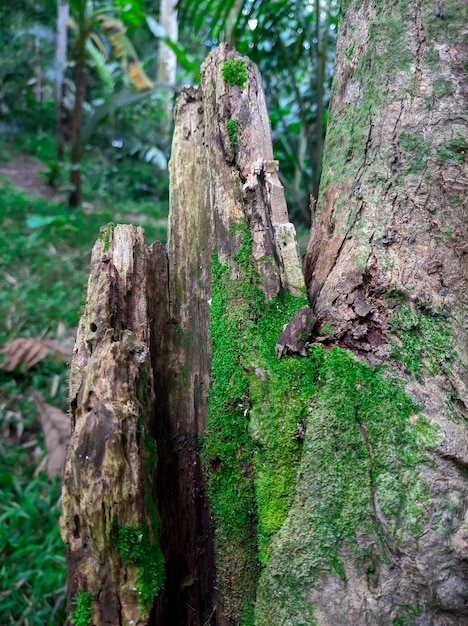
[311, 461]
[386, 267]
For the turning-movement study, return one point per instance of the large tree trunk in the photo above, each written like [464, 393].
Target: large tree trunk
[298, 481]
[386, 267]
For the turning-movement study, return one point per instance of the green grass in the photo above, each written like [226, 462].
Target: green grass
[32, 556]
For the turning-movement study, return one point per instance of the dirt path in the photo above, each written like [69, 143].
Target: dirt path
[25, 175]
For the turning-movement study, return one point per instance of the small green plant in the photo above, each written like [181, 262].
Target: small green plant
[53, 174]
[231, 126]
[234, 72]
[104, 236]
[82, 613]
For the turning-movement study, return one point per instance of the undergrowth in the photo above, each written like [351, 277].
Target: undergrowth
[32, 556]
[44, 261]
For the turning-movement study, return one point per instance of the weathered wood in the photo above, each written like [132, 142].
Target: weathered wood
[109, 522]
[217, 184]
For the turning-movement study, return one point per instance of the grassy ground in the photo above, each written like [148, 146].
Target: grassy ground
[44, 257]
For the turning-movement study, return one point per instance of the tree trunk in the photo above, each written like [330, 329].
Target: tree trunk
[77, 120]
[298, 481]
[60, 64]
[386, 267]
[167, 60]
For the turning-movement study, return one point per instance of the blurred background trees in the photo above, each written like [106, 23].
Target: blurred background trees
[104, 74]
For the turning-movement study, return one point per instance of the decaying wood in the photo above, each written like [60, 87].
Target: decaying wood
[108, 473]
[211, 189]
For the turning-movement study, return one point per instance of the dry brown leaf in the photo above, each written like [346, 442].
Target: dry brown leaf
[56, 426]
[29, 351]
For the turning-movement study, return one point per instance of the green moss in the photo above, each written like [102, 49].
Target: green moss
[335, 422]
[441, 87]
[82, 613]
[358, 491]
[350, 50]
[234, 72]
[256, 404]
[104, 236]
[137, 547]
[386, 55]
[327, 329]
[231, 126]
[417, 149]
[454, 149]
[423, 340]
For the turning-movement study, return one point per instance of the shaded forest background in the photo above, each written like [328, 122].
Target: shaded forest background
[120, 148]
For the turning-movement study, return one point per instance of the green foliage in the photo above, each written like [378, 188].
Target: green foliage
[82, 613]
[234, 72]
[424, 340]
[138, 548]
[32, 555]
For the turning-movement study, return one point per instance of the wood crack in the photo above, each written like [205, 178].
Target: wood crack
[421, 45]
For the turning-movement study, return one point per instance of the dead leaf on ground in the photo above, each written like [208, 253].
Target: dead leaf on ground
[56, 426]
[29, 351]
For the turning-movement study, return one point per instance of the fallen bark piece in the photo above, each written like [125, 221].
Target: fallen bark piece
[295, 334]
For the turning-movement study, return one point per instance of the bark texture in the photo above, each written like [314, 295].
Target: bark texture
[109, 522]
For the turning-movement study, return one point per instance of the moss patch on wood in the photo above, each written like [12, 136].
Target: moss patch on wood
[251, 446]
[137, 547]
[302, 455]
[82, 613]
[424, 340]
[357, 486]
[231, 127]
[234, 72]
